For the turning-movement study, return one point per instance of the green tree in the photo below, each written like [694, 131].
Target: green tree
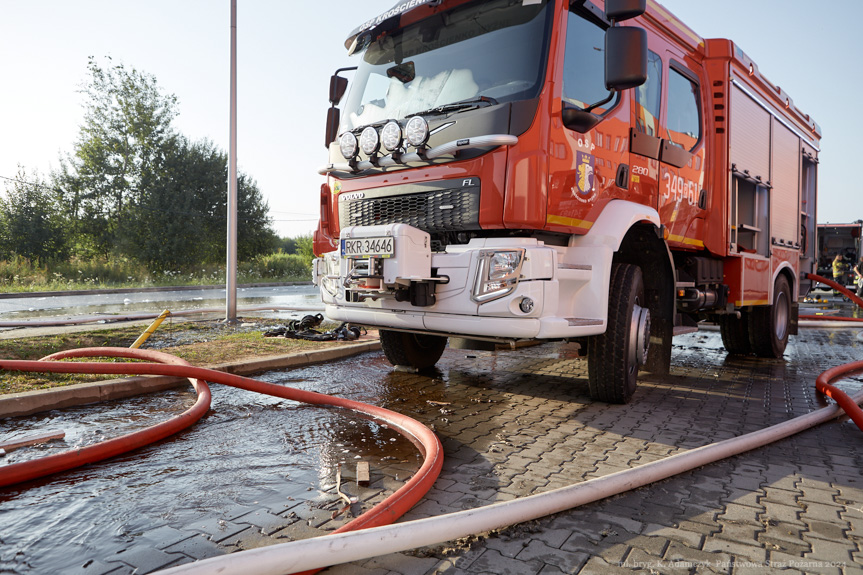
[30, 223]
[135, 187]
[255, 235]
[181, 220]
[119, 152]
[287, 245]
[306, 247]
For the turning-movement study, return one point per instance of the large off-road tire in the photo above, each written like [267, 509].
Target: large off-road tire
[419, 351]
[614, 357]
[735, 333]
[769, 326]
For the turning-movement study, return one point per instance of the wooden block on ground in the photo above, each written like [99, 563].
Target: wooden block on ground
[363, 473]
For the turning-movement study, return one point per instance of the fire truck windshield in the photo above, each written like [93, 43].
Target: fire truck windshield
[495, 50]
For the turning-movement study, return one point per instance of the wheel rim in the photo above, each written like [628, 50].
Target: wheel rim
[639, 337]
[780, 319]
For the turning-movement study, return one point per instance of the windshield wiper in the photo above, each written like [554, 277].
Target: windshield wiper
[471, 103]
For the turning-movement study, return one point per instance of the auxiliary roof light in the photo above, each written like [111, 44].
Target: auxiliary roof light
[370, 142]
[417, 131]
[391, 136]
[348, 145]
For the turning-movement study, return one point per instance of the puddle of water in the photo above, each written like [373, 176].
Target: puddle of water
[248, 448]
[152, 302]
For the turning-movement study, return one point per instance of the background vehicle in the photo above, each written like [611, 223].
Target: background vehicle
[843, 239]
[509, 170]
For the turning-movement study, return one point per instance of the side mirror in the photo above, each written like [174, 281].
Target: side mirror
[625, 58]
[578, 120]
[333, 119]
[338, 86]
[620, 10]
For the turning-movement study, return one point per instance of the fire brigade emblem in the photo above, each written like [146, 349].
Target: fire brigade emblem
[583, 175]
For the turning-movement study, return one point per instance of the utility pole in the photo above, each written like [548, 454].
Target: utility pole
[231, 267]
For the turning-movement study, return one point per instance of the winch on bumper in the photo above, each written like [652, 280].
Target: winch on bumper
[509, 288]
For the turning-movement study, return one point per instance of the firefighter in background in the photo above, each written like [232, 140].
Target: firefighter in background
[858, 276]
[839, 267]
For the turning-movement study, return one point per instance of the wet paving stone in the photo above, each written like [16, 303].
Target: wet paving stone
[515, 423]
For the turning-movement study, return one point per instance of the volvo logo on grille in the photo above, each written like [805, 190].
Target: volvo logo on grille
[352, 196]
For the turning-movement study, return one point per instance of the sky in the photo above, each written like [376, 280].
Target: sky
[286, 51]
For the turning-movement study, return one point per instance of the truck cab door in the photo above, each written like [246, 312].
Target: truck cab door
[588, 164]
[667, 144]
[646, 133]
[681, 201]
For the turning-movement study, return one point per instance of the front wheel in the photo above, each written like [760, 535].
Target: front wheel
[419, 351]
[614, 357]
[769, 326]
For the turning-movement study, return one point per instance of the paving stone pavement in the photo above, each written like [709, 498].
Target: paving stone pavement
[515, 423]
[791, 507]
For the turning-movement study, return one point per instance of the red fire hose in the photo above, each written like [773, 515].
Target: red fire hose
[385, 512]
[841, 289]
[822, 384]
[50, 464]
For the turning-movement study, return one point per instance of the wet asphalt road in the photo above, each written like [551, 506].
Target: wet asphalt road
[44, 307]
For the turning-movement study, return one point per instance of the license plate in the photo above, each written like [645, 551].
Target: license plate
[368, 248]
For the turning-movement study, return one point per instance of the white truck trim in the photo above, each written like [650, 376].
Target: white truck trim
[568, 284]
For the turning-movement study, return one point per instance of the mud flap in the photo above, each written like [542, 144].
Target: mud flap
[659, 352]
[794, 319]
[661, 332]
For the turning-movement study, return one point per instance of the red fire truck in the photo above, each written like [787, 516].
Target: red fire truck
[507, 170]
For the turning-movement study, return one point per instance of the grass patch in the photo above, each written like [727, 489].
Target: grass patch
[203, 344]
[20, 275]
[240, 346]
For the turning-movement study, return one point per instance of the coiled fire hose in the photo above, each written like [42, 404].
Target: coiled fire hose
[822, 384]
[335, 549]
[345, 546]
[70, 459]
[385, 512]
[354, 546]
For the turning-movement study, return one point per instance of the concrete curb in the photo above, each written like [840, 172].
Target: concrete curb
[39, 294]
[30, 402]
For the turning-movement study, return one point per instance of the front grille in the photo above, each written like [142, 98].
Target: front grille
[432, 212]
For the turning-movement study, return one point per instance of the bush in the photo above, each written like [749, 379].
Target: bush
[20, 274]
[113, 272]
[20, 270]
[281, 265]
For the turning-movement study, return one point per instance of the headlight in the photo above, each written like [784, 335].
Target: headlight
[497, 274]
[417, 131]
[348, 145]
[370, 142]
[391, 136]
[503, 264]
